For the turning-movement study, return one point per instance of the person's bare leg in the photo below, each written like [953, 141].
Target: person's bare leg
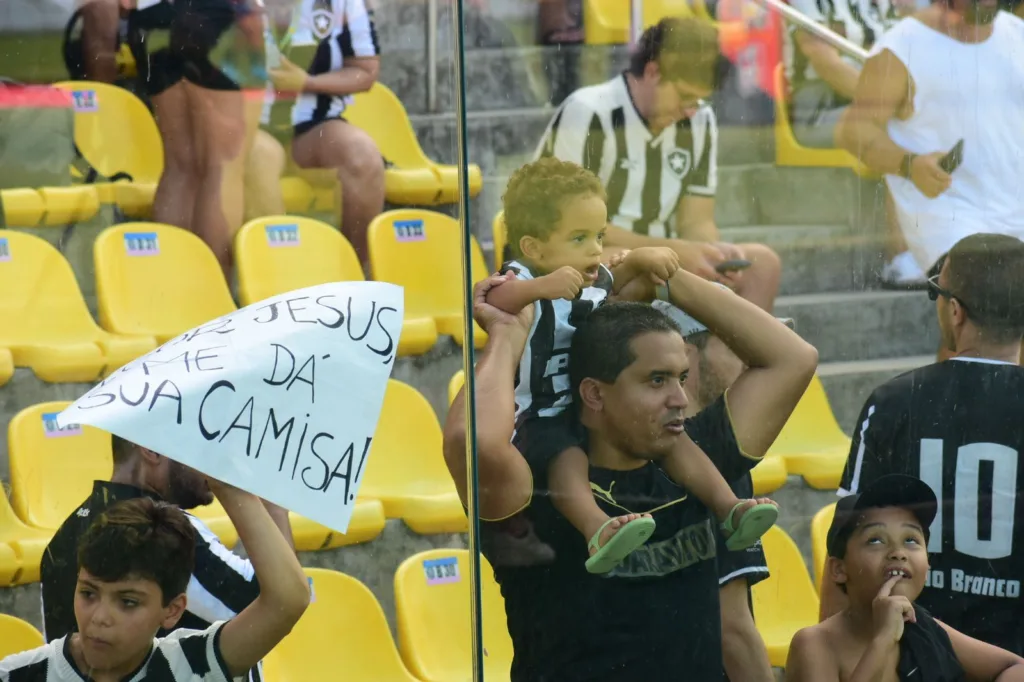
[760, 282]
[895, 242]
[264, 166]
[569, 487]
[360, 167]
[220, 131]
[179, 183]
[100, 22]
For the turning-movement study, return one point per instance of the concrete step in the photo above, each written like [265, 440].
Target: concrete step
[867, 325]
[848, 384]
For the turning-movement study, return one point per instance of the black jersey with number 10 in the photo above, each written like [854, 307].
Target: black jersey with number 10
[959, 426]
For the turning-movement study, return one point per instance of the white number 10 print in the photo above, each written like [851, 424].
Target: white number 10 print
[969, 457]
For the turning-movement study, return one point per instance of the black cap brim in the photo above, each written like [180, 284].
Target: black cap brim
[893, 490]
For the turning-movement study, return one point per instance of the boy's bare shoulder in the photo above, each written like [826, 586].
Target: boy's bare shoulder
[826, 635]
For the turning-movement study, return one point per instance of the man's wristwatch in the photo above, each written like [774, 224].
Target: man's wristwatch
[906, 165]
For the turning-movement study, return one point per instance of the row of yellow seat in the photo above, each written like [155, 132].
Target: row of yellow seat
[155, 281]
[51, 472]
[432, 601]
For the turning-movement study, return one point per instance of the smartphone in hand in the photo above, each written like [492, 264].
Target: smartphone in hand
[734, 265]
[951, 161]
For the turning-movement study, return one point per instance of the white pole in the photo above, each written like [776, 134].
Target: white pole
[636, 20]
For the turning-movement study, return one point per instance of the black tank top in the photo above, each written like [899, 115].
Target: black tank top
[926, 654]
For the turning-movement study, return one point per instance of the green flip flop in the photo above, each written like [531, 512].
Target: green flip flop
[755, 522]
[619, 546]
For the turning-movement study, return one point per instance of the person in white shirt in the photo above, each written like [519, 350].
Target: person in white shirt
[949, 74]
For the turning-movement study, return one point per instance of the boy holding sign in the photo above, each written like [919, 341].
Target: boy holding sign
[135, 562]
[556, 217]
[877, 547]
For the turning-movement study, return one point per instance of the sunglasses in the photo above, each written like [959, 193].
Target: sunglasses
[934, 291]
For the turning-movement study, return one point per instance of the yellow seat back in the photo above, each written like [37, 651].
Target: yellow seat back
[432, 605]
[17, 636]
[22, 207]
[52, 470]
[277, 254]
[157, 280]
[42, 302]
[819, 537]
[381, 114]
[500, 236]
[115, 132]
[421, 251]
[406, 452]
[455, 385]
[786, 601]
[812, 426]
[606, 22]
[343, 625]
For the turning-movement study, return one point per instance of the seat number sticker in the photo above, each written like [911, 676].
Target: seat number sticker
[283, 235]
[410, 231]
[141, 243]
[440, 571]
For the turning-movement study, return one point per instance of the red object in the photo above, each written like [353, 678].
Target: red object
[750, 37]
[34, 96]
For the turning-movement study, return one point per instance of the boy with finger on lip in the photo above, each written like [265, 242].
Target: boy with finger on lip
[877, 555]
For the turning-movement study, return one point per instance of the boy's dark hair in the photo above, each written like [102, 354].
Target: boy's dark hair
[985, 272]
[141, 538]
[600, 347]
[123, 449]
[535, 195]
[685, 49]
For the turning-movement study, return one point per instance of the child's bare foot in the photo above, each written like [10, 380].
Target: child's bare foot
[616, 539]
[747, 521]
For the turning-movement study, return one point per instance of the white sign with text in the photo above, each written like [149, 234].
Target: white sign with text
[280, 398]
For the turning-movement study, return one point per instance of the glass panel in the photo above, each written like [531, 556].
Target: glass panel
[163, 164]
[742, 143]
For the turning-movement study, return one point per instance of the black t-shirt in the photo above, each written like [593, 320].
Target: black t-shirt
[656, 615]
[958, 426]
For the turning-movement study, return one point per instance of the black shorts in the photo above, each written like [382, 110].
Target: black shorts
[195, 28]
[541, 439]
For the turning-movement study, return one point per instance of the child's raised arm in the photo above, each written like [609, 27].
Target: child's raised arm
[284, 591]
[660, 262]
[515, 294]
[984, 662]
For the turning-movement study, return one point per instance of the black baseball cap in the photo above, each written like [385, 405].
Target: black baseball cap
[893, 490]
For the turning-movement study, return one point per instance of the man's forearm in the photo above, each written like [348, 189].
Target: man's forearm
[348, 80]
[870, 143]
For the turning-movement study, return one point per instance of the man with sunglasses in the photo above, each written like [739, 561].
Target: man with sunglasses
[958, 425]
[653, 140]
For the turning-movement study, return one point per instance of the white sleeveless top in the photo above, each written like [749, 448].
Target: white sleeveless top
[973, 92]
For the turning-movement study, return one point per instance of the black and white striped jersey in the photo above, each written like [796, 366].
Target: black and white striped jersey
[222, 582]
[182, 656]
[645, 176]
[542, 380]
[340, 29]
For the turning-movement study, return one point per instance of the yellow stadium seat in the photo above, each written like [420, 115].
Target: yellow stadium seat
[406, 469]
[22, 207]
[500, 236]
[455, 384]
[277, 254]
[432, 602]
[786, 601]
[789, 152]
[606, 22]
[47, 325]
[16, 636]
[344, 625]
[157, 280]
[420, 250]
[297, 194]
[366, 524]
[6, 366]
[66, 205]
[26, 542]
[769, 475]
[811, 442]
[52, 470]
[819, 534]
[215, 518]
[116, 134]
[415, 180]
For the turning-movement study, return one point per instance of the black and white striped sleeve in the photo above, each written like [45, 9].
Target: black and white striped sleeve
[704, 179]
[34, 665]
[192, 656]
[223, 583]
[576, 134]
[359, 34]
[873, 450]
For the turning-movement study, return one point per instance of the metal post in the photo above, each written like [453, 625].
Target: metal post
[432, 56]
[811, 26]
[636, 20]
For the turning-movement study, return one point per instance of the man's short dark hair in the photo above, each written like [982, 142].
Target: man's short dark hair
[600, 346]
[141, 538]
[536, 193]
[985, 272]
[685, 49]
[123, 449]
